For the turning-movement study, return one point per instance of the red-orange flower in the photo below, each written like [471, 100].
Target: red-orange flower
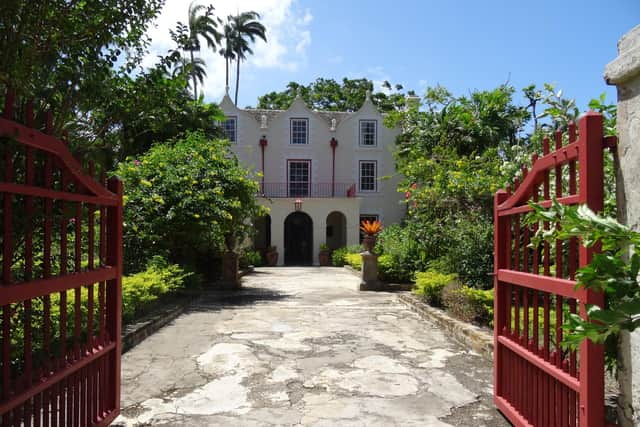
[371, 228]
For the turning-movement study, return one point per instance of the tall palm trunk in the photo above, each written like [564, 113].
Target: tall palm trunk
[226, 60]
[237, 79]
[193, 77]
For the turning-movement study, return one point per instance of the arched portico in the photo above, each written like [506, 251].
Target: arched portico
[336, 232]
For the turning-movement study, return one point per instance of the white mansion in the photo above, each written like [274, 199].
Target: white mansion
[322, 173]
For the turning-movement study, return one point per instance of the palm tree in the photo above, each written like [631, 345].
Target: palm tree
[227, 50]
[195, 68]
[201, 25]
[244, 29]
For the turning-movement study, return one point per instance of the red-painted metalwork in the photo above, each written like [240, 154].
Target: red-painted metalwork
[536, 382]
[61, 305]
[313, 189]
[333, 143]
[263, 145]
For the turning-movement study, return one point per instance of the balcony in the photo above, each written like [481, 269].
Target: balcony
[300, 189]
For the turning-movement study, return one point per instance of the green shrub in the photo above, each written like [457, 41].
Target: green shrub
[385, 268]
[354, 260]
[456, 301]
[470, 253]
[405, 250]
[481, 302]
[181, 197]
[139, 293]
[250, 257]
[430, 285]
[469, 304]
[140, 290]
[338, 255]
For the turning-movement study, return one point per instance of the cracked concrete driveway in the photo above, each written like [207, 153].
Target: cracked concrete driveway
[301, 346]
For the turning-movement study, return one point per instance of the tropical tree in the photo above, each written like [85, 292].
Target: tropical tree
[61, 51]
[244, 29]
[201, 25]
[332, 95]
[227, 51]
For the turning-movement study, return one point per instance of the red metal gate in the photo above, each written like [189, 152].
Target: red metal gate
[536, 382]
[60, 293]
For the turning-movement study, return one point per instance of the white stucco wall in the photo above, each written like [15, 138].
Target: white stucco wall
[318, 209]
[385, 202]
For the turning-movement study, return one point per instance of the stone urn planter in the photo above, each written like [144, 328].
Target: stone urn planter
[230, 241]
[369, 242]
[324, 256]
[271, 256]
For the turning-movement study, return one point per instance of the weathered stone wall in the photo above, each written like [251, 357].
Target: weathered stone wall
[624, 72]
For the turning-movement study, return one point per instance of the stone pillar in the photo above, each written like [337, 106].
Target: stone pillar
[624, 73]
[230, 273]
[369, 272]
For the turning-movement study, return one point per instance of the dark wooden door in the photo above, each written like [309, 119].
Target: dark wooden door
[298, 239]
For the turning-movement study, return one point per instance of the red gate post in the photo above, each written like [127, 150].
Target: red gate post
[499, 261]
[114, 288]
[591, 175]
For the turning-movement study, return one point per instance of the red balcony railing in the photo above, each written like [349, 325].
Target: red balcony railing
[303, 189]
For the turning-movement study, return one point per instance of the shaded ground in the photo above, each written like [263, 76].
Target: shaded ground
[301, 346]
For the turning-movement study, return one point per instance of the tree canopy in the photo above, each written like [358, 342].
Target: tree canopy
[62, 51]
[330, 95]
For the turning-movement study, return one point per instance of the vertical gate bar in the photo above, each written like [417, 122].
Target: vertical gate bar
[114, 290]
[500, 261]
[591, 182]
[78, 291]
[90, 255]
[573, 263]
[37, 408]
[525, 249]
[7, 256]
[83, 396]
[48, 404]
[516, 229]
[62, 408]
[54, 393]
[7, 239]
[103, 227]
[28, 275]
[534, 345]
[6, 354]
[507, 286]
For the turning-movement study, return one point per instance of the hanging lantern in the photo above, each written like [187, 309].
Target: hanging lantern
[298, 205]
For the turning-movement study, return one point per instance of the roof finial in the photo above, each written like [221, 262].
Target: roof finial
[226, 90]
[368, 96]
[299, 92]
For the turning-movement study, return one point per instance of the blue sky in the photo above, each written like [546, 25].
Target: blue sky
[463, 45]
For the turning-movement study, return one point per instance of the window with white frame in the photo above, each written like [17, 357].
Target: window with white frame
[368, 133]
[299, 131]
[299, 177]
[368, 174]
[230, 128]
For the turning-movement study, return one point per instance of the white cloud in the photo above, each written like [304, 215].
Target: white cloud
[288, 38]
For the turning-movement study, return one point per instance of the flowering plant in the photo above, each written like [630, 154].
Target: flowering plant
[371, 228]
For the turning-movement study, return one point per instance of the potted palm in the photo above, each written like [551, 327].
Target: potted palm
[371, 230]
[324, 255]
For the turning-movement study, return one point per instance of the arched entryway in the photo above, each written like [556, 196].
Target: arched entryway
[298, 239]
[336, 236]
[262, 239]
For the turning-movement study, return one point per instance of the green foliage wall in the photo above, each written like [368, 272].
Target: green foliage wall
[182, 197]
